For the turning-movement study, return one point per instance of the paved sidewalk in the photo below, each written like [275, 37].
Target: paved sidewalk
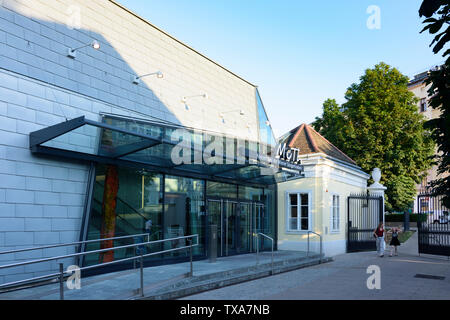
[346, 278]
[123, 285]
[410, 247]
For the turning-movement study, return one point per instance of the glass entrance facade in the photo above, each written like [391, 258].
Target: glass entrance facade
[240, 212]
[238, 222]
[166, 206]
[139, 190]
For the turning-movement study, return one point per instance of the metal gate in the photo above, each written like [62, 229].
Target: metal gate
[365, 212]
[433, 224]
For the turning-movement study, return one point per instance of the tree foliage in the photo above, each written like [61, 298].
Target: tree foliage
[379, 126]
[437, 13]
[331, 122]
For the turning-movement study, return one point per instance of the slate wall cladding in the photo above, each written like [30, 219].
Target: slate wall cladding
[41, 199]
[35, 37]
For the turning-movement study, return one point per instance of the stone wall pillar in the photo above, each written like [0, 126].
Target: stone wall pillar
[376, 188]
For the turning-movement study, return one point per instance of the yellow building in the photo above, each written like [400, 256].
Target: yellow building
[317, 204]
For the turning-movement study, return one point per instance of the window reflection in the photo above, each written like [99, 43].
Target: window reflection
[249, 193]
[163, 207]
[221, 190]
[265, 130]
[137, 206]
[184, 213]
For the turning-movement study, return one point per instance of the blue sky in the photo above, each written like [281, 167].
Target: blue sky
[297, 52]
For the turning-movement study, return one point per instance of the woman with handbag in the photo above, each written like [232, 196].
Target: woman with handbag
[378, 233]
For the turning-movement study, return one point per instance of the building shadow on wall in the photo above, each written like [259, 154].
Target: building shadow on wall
[95, 81]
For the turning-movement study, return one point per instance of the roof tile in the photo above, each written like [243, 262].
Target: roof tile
[309, 141]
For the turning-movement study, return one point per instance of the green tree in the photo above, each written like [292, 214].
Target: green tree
[331, 121]
[437, 13]
[379, 126]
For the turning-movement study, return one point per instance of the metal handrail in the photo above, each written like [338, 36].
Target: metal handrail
[149, 236]
[320, 236]
[156, 232]
[90, 252]
[72, 243]
[61, 273]
[257, 247]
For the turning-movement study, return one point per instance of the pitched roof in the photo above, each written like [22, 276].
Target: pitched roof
[309, 141]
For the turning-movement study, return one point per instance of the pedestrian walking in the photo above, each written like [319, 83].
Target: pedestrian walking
[378, 233]
[394, 242]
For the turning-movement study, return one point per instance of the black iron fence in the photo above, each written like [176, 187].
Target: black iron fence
[433, 224]
[365, 212]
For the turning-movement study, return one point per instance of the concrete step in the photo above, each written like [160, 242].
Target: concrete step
[255, 267]
[217, 280]
[252, 268]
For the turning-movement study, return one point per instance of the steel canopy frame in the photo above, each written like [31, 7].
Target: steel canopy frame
[39, 137]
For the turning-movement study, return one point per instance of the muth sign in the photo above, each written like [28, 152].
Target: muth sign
[288, 154]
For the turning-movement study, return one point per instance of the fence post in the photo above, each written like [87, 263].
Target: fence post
[257, 249]
[406, 219]
[377, 189]
[61, 281]
[307, 252]
[191, 272]
[320, 259]
[272, 257]
[212, 252]
[142, 276]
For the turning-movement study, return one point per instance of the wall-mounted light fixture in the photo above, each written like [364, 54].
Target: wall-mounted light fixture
[186, 98]
[72, 53]
[158, 74]
[241, 112]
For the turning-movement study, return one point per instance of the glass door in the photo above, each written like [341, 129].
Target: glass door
[260, 215]
[258, 224]
[237, 225]
[245, 227]
[231, 218]
[215, 214]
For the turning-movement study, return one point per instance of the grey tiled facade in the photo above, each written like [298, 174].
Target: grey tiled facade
[42, 198]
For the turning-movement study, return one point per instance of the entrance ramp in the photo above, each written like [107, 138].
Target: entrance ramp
[233, 270]
[173, 281]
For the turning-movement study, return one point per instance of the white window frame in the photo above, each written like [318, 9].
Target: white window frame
[332, 219]
[288, 211]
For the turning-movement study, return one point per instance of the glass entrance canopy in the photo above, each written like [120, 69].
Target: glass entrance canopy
[164, 148]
